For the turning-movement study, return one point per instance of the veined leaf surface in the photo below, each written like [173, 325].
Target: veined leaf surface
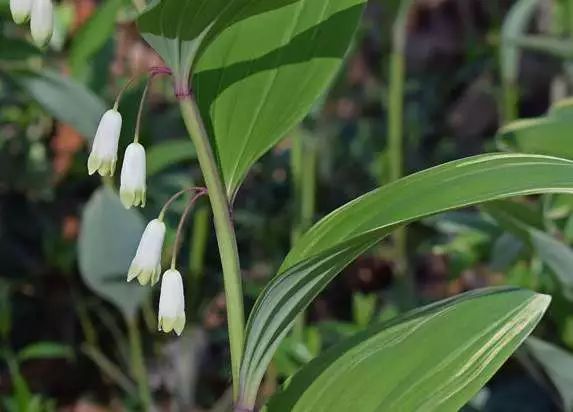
[343, 235]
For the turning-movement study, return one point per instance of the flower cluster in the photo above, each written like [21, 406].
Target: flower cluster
[146, 265]
[41, 16]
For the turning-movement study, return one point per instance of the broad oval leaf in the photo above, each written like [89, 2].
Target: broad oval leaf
[433, 359]
[108, 240]
[261, 75]
[343, 235]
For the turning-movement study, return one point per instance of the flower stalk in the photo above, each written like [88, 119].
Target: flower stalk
[224, 231]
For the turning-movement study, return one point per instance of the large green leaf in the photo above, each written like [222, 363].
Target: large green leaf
[108, 240]
[65, 99]
[433, 359]
[347, 232]
[260, 76]
[558, 364]
[177, 28]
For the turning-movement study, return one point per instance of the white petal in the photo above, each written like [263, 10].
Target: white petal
[147, 260]
[42, 21]
[172, 303]
[21, 10]
[132, 188]
[104, 149]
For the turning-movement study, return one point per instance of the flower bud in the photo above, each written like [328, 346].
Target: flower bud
[146, 265]
[21, 10]
[42, 21]
[171, 303]
[103, 156]
[132, 187]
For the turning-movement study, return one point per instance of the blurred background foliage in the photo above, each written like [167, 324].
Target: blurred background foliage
[75, 337]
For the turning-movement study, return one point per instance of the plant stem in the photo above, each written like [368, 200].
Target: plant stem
[396, 145]
[138, 368]
[303, 167]
[199, 240]
[225, 233]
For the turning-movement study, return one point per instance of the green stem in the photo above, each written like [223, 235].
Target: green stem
[510, 100]
[303, 166]
[138, 368]
[396, 145]
[225, 233]
[199, 240]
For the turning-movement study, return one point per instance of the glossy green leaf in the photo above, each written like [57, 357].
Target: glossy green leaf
[65, 99]
[432, 359]
[260, 76]
[558, 364]
[108, 240]
[93, 35]
[177, 28]
[45, 350]
[164, 155]
[343, 235]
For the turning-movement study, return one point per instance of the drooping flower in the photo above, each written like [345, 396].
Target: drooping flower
[146, 265]
[171, 303]
[103, 156]
[42, 21]
[20, 10]
[132, 188]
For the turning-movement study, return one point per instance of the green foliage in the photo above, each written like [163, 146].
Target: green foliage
[45, 350]
[343, 235]
[66, 100]
[93, 35]
[558, 364]
[548, 135]
[108, 240]
[166, 154]
[260, 77]
[432, 359]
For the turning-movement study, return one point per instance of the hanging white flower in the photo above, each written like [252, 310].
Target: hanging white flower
[42, 21]
[171, 303]
[103, 156]
[20, 10]
[132, 187]
[146, 265]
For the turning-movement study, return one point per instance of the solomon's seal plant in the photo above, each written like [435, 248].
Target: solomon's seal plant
[244, 73]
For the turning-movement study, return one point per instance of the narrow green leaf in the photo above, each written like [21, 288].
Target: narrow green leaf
[558, 364]
[343, 235]
[260, 76]
[93, 35]
[65, 99]
[17, 49]
[45, 350]
[432, 359]
[163, 155]
[108, 240]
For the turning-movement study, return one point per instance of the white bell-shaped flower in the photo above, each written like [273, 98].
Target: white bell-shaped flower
[103, 156]
[42, 21]
[20, 10]
[132, 188]
[146, 265]
[172, 303]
